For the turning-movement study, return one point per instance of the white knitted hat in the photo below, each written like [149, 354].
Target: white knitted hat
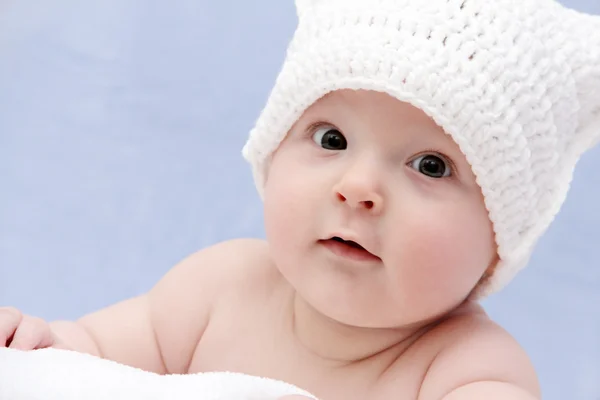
[516, 83]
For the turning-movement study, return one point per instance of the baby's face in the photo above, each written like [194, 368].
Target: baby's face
[366, 167]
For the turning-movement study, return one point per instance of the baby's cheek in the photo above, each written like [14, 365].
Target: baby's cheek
[285, 211]
[441, 253]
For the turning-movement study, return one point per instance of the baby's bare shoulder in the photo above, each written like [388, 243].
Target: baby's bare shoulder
[233, 255]
[227, 266]
[475, 351]
[182, 303]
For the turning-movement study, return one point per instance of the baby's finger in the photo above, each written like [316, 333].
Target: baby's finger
[33, 333]
[10, 318]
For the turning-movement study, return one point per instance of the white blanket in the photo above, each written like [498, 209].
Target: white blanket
[51, 374]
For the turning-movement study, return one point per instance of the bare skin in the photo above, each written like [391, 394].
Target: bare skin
[240, 324]
[394, 323]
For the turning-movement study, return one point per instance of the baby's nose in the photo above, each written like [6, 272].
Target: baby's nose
[370, 202]
[359, 192]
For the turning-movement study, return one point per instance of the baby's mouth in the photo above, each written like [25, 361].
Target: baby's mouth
[349, 249]
[348, 242]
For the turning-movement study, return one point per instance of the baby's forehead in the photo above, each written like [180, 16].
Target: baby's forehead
[369, 102]
[372, 109]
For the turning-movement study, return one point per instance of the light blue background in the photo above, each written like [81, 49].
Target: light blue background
[121, 125]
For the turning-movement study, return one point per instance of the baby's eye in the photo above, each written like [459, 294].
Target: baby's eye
[431, 165]
[330, 139]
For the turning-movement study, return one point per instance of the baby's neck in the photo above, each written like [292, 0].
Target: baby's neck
[341, 345]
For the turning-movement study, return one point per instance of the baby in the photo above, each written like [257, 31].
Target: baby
[409, 157]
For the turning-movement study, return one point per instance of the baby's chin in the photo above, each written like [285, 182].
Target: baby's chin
[366, 301]
[379, 313]
[351, 313]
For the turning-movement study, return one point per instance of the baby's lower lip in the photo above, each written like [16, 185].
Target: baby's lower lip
[346, 251]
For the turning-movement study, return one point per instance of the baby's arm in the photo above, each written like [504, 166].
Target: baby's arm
[160, 330]
[482, 362]
[490, 390]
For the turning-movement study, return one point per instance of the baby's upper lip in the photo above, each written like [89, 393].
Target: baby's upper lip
[350, 237]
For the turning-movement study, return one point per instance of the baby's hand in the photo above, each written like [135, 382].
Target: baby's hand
[23, 332]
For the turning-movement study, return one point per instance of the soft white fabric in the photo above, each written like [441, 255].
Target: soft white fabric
[51, 374]
[516, 83]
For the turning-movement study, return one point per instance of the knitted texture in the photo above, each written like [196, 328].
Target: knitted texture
[515, 83]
